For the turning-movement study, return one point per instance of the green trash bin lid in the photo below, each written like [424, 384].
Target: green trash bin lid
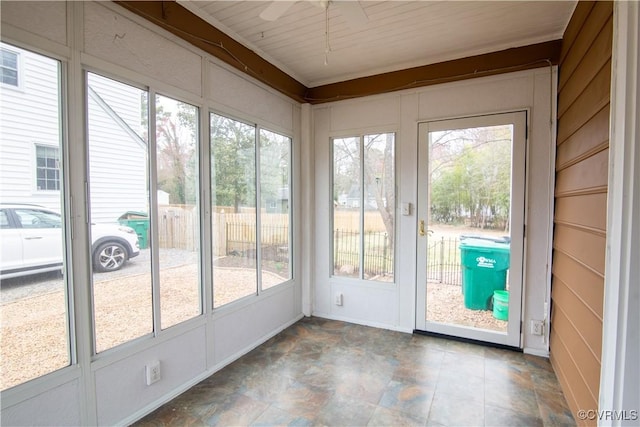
[134, 215]
[484, 243]
[484, 253]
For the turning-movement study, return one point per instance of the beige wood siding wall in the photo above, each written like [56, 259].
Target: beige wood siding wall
[581, 203]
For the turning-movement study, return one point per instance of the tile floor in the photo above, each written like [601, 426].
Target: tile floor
[324, 372]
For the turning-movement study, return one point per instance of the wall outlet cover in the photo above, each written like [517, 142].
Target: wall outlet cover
[153, 372]
[537, 327]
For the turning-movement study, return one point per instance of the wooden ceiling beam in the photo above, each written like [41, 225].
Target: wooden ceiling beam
[178, 20]
[183, 23]
[509, 60]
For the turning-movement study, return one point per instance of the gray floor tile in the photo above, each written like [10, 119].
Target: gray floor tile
[322, 372]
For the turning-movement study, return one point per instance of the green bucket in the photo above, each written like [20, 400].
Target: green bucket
[501, 305]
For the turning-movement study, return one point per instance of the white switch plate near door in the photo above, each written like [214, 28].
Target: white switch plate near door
[406, 208]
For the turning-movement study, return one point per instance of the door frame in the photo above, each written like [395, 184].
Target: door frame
[519, 119]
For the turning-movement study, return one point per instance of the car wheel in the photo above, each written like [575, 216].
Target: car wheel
[109, 256]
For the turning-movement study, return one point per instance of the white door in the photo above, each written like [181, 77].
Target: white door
[471, 192]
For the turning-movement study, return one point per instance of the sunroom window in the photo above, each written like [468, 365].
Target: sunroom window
[363, 196]
[250, 192]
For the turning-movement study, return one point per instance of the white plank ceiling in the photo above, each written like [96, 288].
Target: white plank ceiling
[398, 34]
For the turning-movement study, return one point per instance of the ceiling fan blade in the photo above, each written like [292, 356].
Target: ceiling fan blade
[275, 10]
[353, 13]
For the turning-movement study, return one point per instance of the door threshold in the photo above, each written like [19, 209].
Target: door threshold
[467, 340]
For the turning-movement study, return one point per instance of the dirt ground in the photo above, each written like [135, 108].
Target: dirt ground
[445, 304]
[123, 312]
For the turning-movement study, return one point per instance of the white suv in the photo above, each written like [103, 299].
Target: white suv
[31, 242]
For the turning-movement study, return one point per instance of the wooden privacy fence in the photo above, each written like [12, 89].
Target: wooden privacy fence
[177, 227]
[274, 241]
[231, 232]
[349, 219]
[235, 234]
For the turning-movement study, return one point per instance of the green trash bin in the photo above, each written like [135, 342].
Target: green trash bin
[485, 261]
[139, 221]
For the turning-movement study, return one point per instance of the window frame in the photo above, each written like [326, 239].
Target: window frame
[290, 204]
[361, 137]
[153, 95]
[257, 127]
[63, 196]
[86, 85]
[154, 89]
[58, 179]
[18, 69]
[212, 201]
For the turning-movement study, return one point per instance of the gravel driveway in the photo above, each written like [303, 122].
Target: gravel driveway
[33, 315]
[38, 284]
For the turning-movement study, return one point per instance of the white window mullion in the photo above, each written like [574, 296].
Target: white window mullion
[204, 204]
[258, 210]
[153, 212]
[292, 203]
[362, 210]
[65, 199]
[332, 228]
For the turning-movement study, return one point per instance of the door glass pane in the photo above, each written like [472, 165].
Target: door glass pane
[118, 192]
[233, 194]
[347, 195]
[469, 226]
[178, 214]
[379, 206]
[33, 289]
[275, 219]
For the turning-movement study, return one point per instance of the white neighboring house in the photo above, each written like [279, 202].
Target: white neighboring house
[30, 139]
